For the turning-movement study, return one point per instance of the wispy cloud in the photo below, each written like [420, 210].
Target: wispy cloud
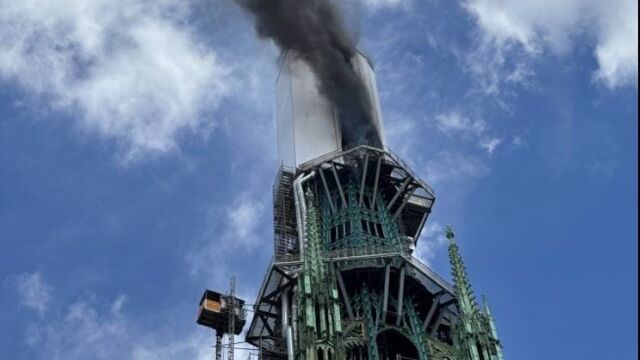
[455, 123]
[382, 4]
[235, 228]
[245, 216]
[86, 329]
[34, 292]
[132, 71]
[514, 32]
[490, 144]
[446, 167]
[431, 243]
[518, 141]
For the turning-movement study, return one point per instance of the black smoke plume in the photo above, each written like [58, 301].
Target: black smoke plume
[314, 31]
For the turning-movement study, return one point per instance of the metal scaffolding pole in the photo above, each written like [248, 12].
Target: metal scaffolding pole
[232, 315]
[218, 345]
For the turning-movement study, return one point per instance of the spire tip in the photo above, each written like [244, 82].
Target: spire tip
[449, 233]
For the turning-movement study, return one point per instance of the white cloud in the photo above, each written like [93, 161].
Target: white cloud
[431, 242]
[88, 330]
[131, 70]
[490, 145]
[617, 49]
[245, 215]
[237, 225]
[518, 141]
[447, 167]
[118, 303]
[193, 346]
[402, 134]
[455, 123]
[82, 332]
[533, 26]
[381, 4]
[34, 292]
[601, 169]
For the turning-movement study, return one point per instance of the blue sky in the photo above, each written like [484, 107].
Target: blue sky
[137, 153]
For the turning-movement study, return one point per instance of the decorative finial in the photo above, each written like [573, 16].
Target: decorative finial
[309, 198]
[449, 233]
[485, 304]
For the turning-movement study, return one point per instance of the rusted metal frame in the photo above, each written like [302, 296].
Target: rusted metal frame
[335, 175]
[375, 183]
[405, 201]
[326, 189]
[404, 185]
[345, 295]
[400, 295]
[432, 310]
[364, 178]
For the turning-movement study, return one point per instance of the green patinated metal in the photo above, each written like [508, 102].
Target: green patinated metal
[475, 331]
[328, 335]
[343, 235]
[322, 335]
[355, 226]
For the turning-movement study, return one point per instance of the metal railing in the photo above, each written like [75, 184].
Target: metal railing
[385, 150]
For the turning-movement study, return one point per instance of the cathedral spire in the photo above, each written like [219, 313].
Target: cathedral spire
[464, 291]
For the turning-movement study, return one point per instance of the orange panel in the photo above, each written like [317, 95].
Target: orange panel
[212, 305]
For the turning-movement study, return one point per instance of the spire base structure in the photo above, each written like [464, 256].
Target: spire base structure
[344, 284]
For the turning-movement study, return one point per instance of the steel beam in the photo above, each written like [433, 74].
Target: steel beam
[284, 312]
[385, 298]
[422, 221]
[364, 178]
[375, 182]
[450, 302]
[432, 310]
[326, 189]
[404, 185]
[405, 201]
[283, 273]
[400, 296]
[436, 325]
[275, 292]
[345, 295]
[335, 175]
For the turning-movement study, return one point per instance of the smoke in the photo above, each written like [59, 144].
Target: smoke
[314, 31]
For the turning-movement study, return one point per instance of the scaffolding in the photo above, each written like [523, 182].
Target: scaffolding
[284, 216]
